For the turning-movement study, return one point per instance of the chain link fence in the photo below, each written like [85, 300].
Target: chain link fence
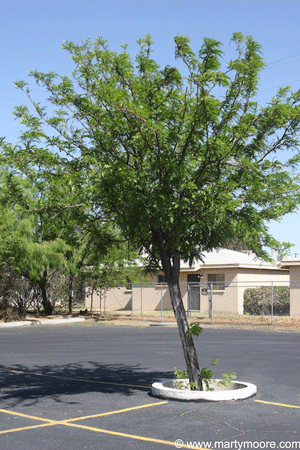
[213, 302]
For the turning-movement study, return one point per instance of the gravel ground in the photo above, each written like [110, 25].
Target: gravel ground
[287, 324]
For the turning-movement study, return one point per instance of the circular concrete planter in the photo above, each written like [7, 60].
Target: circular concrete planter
[237, 390]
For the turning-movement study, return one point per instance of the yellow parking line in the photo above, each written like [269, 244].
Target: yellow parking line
[13, 413]
[28, 428]
[130, 436]
[133, 408]
[277, 404]
[57, 422]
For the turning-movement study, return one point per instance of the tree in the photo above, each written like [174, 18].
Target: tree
[22, 252]
[45, 230]
[97, 255]
[29, 242]
[183, 162]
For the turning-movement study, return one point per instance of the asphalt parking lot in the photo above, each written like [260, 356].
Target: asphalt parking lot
[87, 386]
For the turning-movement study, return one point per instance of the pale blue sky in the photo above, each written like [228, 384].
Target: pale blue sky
[33, 31]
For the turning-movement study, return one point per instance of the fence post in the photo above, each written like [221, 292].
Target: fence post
[211, 304]
[92, 299]
[141, 300]
[132, 302]
[104, 303]
[272, 302]
[161, 316]
[188, 300]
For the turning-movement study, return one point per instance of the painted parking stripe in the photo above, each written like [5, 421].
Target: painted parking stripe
[27, 416]
[131, 436]
[62, 422]
[133, 408]
[66, 422]
[70, 422]
[278, 404]
[32, 427]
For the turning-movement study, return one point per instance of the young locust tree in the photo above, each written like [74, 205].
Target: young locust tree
[183, 162]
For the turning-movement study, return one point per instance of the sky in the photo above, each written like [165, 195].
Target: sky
[32, 33]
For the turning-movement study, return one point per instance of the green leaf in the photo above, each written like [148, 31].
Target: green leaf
[214, 361]
[194, 330]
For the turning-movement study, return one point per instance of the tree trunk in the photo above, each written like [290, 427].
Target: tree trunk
[48, 308]
[189, 351]
[7, 291]
[71, 294]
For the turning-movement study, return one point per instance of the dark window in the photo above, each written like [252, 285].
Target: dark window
[193, 278]
[161, 279]
[218, 281]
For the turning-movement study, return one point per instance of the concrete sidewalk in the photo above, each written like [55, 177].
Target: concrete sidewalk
[53, 321]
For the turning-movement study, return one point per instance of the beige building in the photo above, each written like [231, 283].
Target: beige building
[228, 272]
[293, 265]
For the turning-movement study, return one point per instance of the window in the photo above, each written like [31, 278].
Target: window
[218, 280]
[193, 278]
[161, 279]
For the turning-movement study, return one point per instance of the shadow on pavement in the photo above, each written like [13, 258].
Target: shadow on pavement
[19, 383]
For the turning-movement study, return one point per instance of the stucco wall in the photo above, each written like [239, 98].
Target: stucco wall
[144, 297]
[155, 297]
[295, 290]
[225, 300]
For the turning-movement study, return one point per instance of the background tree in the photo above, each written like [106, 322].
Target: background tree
[22, 252]
[183, 162]
[48, 238]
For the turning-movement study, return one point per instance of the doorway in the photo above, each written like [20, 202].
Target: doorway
[193, 292]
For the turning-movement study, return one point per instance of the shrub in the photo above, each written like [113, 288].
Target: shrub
[258, 300]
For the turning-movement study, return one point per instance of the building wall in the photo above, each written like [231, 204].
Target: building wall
[115, 299]
[224, 300]
[295, 290]
[144, 297]
[152, 296]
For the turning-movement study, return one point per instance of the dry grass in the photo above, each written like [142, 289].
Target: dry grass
[280, 323]
[283, 323]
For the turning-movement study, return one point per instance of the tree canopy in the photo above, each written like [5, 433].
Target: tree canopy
[51, 240]
[182, 161]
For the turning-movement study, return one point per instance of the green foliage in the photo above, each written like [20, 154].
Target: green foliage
[45, 227]
[206, 375]
[21, 249]
[214, 362]
[181, 376]
[194, 330]
[180, 161]
[227, 378]
[200, 168]
[179, 373]
[258, 300]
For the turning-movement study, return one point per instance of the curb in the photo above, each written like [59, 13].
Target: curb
[240, 391]
[42, 322]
